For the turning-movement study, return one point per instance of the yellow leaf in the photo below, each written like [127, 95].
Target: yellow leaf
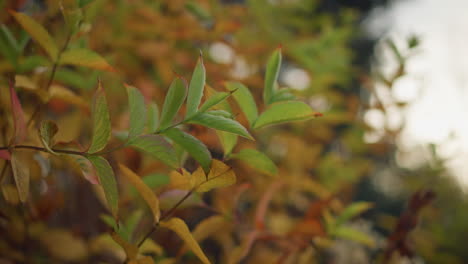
[10, 194]
[38, 33]
[85, 58]
[147, 194]
[179, 227]
[130, 250]
[209, 226]
[180, 181]
[220, 175]
[150, 247]
[21, 175]
[144, 260]
[60, 92]
[63, 245]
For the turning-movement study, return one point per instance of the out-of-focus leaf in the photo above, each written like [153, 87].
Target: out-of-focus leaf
[144, 191]
[86, 58]
[284, 112]
[220, 113]
[101, 121]
[271, 75]
[257, 161]
[47, 131]
[228, 141]
[62, 93]
[245, 100]
[142, 260]
[150, 247]
[181, 180]
[174, 99]
[170, 198]
[208, 227]
[130, 250]
[352, 211]
[107, 181]
[72, 15]
[197, 10]
[18, 116]
[38, 33]
[137, 112]
[282, 95]
[120, 229]
[195, 91]
[10, 194]
[153, 118]
[8, 45]
[220, 175]
[62, 245]
[180, 228]
[221, 123]
[21, 175]
[132, 221]
[192, 145]
[157, 147]
[4, 154]
[355, 235]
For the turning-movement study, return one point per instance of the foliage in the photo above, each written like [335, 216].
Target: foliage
[107, 154]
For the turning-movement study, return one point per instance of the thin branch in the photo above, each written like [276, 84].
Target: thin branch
[64, 151]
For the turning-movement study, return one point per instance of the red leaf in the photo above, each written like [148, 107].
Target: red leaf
[18, 116]
[4, 154]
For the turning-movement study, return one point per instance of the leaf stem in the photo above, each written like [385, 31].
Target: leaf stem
[64, 151]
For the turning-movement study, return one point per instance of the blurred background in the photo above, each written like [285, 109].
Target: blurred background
[388, 76]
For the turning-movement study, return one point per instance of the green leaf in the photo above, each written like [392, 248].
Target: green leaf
[257, 161]
[195, 92]
[271, 75]
[284, 112]
[214, 100]
[107, 181]
[283, 95]
[136, 103]
[245, 100]
[180, 228]
[192, 145]
[221, 123]
[47, 131]
[157, 147]
[221, 113]
[8, 45]
[38, 33]
[174, 99]
[153, 118]
[352, 211]
[228, 141]
[355, 235]
[86, 58]
[101, 121]
[21, 174]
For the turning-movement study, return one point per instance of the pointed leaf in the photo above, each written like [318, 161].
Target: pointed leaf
[221, 123]
[47, 131]
[174, 99]
[180, 180]
[88, 170]
[101, 121]
[228, 141]
[192, 145]
[214, 100]
[107, 181]
[153, 118]
[157, 147]
[284, 112]
[21, 175]
[245, 100]
[220, 175]
[38, 33]
[355, 235]
[180, 228]
[352, 210]
[147, 194]
[271, 75]
[257, 161]
[136, 103]
[86, 58]
[19, 122]
[195, 92]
